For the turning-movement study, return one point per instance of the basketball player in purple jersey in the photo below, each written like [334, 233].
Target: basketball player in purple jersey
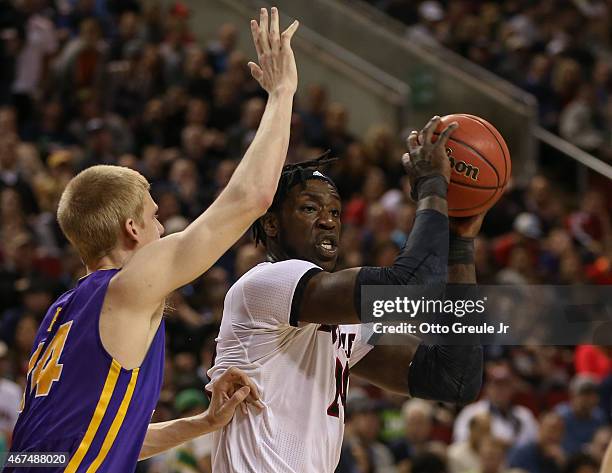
[96, 367]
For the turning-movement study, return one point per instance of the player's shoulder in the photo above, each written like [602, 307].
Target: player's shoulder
[289, 269]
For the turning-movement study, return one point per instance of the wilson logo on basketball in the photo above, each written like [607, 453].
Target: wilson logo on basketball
[462, 167]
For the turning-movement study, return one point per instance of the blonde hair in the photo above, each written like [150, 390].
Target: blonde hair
[95, 205]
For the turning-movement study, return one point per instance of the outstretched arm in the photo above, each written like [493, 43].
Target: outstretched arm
[165, 265]
[228, 392]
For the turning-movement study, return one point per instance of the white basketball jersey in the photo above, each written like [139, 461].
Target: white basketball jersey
[301, 372]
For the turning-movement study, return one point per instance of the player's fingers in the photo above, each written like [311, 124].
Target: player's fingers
[429, 129]
[288, 34]
[406, 159]
[256, 71]
[274, 31]
[413, 141]
[445, 135]
[264, 36]
[256, 37]
[237, 398]
[240, 377]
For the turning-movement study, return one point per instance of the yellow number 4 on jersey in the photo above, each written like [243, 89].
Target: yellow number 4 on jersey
[48, 369]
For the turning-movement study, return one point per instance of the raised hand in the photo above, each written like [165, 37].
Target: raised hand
[427, 158]
[276, 70]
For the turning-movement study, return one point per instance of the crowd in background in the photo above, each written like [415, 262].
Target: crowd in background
[91, 82]
[558, 50]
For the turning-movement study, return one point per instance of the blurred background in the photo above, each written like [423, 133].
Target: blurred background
[163, 87]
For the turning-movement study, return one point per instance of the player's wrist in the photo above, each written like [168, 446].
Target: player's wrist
[433, 202]
[431, 185]
[282, 92]
[460, 250]
[206, 422]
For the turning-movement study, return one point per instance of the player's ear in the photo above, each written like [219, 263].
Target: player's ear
[131, 230]
[270, 224]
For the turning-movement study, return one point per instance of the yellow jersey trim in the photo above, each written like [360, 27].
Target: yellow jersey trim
[116, 425]
[94, 424]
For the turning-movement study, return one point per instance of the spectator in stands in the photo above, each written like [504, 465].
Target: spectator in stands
[313, 115]
[545, 455]
[591, 226]
[247, 257]
[80, 65]
[10, 399]
[527, 230]
[39, 44]
[220, 49]
[336, 135]
[361, 451]
[463, 457]
[191, 456]
[513, 424]
[240, 136]
[582, 415]
[593, 360]
[492, 456]
[541, 200]
[418, 421]
[578, 122]
[597, 448]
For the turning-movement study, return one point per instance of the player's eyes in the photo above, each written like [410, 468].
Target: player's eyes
[335, 213]
[309, 208]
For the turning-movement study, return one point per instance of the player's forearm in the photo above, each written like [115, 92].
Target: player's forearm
[163, 436]
[258, 173]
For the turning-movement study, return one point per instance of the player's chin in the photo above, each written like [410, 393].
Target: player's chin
[326, 258]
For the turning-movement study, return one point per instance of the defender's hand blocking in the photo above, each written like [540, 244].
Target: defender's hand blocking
[228, 392]
[427, 158]
[276, 70]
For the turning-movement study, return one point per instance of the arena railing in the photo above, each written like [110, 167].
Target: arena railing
[437, 85]
[371, 95]
[364, 58]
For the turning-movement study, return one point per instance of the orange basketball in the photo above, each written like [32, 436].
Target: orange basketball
[480, 163]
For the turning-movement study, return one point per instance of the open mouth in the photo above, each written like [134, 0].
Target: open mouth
[327, 246]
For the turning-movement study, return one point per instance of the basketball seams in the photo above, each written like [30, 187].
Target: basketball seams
[471, 186]
[477, 153]
[466, 209]
[503, 148]
[471, 155]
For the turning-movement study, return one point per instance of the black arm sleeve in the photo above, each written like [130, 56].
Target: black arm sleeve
[446, 373]
[449, 373]
[423, 260]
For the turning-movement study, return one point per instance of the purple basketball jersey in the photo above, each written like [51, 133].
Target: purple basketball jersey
[78, 399]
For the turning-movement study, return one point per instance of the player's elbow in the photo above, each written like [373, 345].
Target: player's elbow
[255, 200]
[264, 201]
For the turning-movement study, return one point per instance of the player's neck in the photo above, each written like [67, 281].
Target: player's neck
[114, 260]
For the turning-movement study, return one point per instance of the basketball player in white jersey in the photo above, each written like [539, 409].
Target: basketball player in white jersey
[292, 324]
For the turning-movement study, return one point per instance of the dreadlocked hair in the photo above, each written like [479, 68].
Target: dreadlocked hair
[291, 175]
